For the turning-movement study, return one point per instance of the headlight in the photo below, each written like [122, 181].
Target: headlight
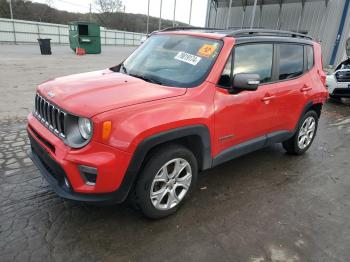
[85, 127]
[79, 131]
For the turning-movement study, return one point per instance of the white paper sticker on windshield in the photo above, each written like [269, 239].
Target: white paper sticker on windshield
[187, 58]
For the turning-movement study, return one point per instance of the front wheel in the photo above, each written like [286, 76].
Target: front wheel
[304, 136]
[166, 181]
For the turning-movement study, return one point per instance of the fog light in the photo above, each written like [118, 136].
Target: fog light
[89, 174]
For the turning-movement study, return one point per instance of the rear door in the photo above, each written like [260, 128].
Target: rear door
[293, 84]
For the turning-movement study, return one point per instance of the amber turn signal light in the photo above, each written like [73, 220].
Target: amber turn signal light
[106, 129]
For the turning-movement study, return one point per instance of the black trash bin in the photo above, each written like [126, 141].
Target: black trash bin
[45, 46]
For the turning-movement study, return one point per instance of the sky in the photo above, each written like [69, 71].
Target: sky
[199, 8]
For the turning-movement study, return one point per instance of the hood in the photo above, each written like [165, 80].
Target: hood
[92, 93]
[344, 65]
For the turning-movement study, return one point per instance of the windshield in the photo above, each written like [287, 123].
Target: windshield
[344, 65]
[173, 60]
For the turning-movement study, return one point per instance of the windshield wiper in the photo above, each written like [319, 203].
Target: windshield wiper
[147, 79]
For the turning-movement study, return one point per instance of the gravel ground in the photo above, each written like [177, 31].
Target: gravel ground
[266, 206]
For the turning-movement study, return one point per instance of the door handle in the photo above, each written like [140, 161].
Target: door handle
[305, 88]
[267, 98]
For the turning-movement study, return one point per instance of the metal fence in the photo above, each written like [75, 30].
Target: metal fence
[20, 31]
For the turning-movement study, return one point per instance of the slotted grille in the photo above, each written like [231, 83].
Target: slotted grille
[51, 116]
[343, 76]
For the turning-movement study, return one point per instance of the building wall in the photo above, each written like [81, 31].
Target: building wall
[318, 21]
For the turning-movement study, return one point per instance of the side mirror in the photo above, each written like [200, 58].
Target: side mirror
[243, 81]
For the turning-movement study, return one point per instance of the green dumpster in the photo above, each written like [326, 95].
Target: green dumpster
[85, 35]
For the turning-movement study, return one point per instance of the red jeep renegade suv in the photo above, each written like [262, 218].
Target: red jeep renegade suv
[186, 100]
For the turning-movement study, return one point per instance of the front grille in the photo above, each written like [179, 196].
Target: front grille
[51, 116]
[343, 76]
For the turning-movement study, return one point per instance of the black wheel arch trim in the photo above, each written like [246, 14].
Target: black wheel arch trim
[170, 135]
[151, 142]
[307, 107]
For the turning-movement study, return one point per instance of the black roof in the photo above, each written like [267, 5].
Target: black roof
[225, 3]
[241, 33]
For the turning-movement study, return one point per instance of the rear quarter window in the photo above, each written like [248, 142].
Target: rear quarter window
[310, 57]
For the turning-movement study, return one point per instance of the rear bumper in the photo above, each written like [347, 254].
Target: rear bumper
[59, 165]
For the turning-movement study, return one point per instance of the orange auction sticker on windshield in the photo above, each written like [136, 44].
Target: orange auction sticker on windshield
[206, 50]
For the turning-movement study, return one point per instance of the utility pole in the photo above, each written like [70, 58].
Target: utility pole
[228, 15]
[11, 13]
[301, 14]
[174, 13]
[147, 29]
[189, 19]
[13, 22]
[253, 15]
[160, 14]
[90, 14]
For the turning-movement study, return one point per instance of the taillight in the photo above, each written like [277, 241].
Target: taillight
[323, 79]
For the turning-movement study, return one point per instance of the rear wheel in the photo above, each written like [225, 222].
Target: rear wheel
[166, 181]
[304, 136]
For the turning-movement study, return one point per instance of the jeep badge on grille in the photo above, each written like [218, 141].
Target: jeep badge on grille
[51, 94]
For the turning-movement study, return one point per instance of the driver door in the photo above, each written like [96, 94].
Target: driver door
[246, 117]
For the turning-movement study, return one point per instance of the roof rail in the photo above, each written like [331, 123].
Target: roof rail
[178, 28]
[267, 32]
[241, 32]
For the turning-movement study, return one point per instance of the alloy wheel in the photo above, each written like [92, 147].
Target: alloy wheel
[307, 132]
[171, 184]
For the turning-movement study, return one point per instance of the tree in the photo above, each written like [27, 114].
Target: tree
[32, 11]
[49, 4]
[109, 6]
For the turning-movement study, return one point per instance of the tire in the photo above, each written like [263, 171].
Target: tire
[155, 177]
[292, 145]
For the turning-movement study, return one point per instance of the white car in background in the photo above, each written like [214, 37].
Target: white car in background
[338, 82]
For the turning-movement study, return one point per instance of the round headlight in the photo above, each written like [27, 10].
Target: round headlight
[85, 127]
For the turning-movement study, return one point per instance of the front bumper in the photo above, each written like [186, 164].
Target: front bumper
[341, 92]
[337, 89]
[59, 165]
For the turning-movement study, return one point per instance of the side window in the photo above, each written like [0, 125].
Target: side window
[225, 79]
[291, 61]
[255, 59]
[310, 57]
